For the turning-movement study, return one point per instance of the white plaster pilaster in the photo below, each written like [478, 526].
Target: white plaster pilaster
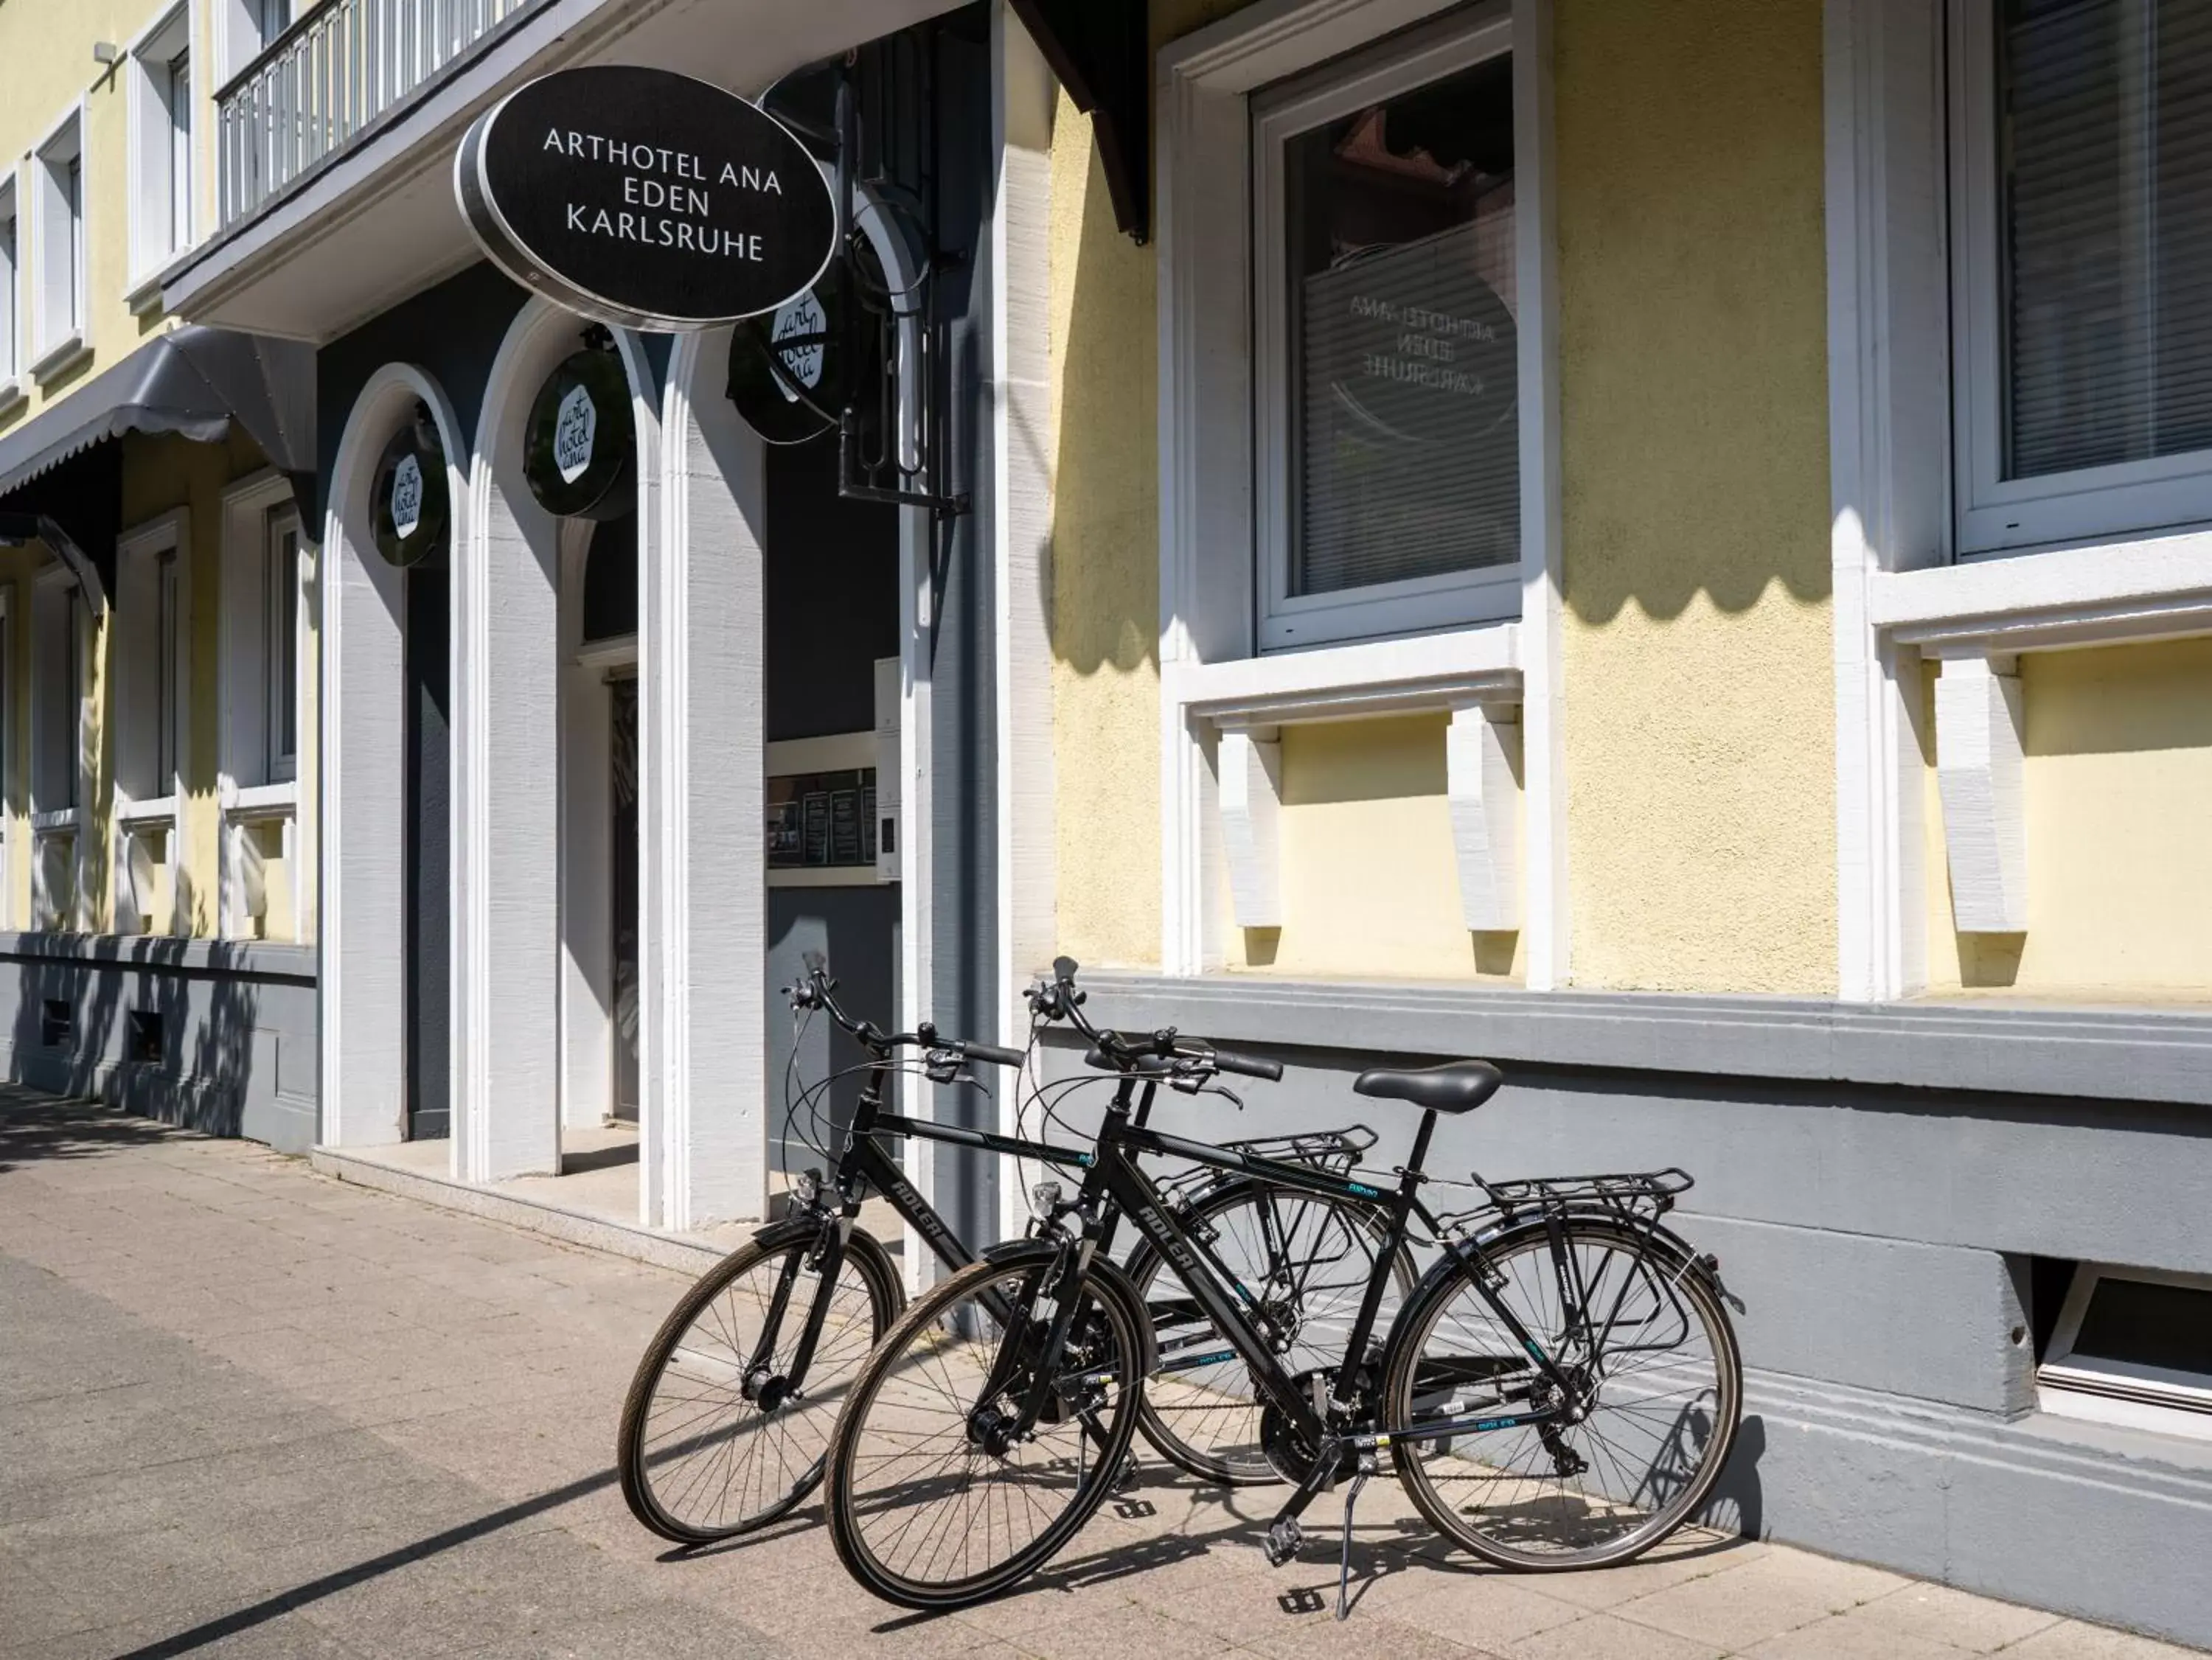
[506, 772]
[702, 798]
[1979, 774]
[1249, 763]
[1482, 762]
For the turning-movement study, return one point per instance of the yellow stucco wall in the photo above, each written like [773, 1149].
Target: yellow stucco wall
[1701, 840]
[46, 46]
[1697, 652]
[1369, 885]
[1105, 567]
[2119, 788]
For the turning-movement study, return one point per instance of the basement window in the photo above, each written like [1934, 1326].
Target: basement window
[2133, 1345]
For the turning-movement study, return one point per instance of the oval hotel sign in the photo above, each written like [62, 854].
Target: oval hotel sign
[644, 199]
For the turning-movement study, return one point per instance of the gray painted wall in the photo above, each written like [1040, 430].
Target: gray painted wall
[1880, 1239]
[237, 1029]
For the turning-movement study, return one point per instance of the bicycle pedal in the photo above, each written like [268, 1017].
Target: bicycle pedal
[1127, 1477]
[1284, 1540]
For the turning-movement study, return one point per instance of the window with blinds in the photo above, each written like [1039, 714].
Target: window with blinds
[2104, 152]
[1387, 340]
[1399, 223]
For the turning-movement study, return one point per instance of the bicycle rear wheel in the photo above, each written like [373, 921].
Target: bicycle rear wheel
[936, 1498]
[718, 1437]
[1306, 1262]
[1640, 1331]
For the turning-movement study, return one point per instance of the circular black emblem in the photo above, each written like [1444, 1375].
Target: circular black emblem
[578, 451]
[407, 499]
[793, 372]
[645, 198]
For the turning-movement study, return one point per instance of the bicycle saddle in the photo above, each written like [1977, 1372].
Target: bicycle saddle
[1454, 1087]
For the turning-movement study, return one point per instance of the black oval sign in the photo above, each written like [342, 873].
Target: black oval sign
[577, 450]
[407, 499]
[645, 198]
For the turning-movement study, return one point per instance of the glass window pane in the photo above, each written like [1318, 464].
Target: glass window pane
[180, 151]
[2136, 1321]
[1400, 225]
[2106, 150]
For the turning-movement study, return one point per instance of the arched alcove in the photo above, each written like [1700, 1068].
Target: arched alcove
[363, 829]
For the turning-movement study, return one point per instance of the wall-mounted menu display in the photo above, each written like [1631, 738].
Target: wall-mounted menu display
[822, 820]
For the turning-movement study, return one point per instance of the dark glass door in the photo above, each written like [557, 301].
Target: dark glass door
[622, 886]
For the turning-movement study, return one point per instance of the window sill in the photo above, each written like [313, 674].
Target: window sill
[59, 358]
[145, 297]
[1424, 673]
[262, 800]
[47, 823]
[2149, 588]
[11, 395]
[155, 809]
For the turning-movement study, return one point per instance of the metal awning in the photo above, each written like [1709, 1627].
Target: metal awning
[1102, 51]
[55, 482]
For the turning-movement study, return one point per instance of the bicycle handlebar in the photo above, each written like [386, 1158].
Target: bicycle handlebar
[1157, 1054]
[819, 991]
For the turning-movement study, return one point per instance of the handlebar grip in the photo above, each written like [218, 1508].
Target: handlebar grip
[993, 1053]
[1249, 1066]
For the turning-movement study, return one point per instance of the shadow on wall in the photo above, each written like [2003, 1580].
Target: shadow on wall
[1693, 305]
[153, 1040]
[1102, 578]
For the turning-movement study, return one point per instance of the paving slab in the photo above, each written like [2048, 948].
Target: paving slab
[253, 1411]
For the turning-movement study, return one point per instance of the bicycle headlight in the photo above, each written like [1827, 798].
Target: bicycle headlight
[807, 1187]
[1045, 1199]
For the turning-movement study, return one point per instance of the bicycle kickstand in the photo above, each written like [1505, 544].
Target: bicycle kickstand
[1344, 1566]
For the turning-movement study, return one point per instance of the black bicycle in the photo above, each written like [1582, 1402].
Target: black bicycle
[1560, 1390]
[727, 1421]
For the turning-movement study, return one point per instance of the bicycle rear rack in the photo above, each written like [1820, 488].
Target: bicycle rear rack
[1334, 1150]
[1636, 1197]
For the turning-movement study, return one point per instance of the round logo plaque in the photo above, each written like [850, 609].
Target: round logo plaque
[578, 451]
[645, 198]
[407, 496]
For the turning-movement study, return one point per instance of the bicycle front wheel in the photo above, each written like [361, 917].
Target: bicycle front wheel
[1640, 1333]
[938, 1496]
[721, 1432]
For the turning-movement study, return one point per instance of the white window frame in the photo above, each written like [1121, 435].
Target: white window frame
[1213, 679]
[60, 697]
[280, 656]
[1996, 515]
[2120, 1391]
[151, 673]
[164, 158]
[11, 292]
[60, 290]
[1378, 610]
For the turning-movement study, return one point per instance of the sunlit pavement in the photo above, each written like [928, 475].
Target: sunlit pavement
[246, 1410]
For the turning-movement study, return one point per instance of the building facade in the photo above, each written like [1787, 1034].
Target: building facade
[1660, 544]
[157, 711]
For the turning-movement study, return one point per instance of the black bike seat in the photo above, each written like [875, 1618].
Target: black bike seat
[1454, 1087]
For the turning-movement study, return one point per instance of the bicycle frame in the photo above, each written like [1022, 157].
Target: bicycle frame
[1116, 1177]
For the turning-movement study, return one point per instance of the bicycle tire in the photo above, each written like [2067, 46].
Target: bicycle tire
[1222, 1443]
[945, 1362]
[658, 1504]
[1501, 1532]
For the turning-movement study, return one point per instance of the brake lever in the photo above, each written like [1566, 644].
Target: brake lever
[943, 1066]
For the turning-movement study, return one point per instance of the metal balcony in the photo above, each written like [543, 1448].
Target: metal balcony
[340, 68]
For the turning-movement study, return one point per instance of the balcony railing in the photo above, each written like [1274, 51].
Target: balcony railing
[342, 65]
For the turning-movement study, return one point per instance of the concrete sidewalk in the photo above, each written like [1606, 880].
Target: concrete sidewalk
[247, 1410]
